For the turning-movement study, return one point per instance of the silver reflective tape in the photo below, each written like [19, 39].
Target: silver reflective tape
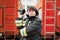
[0, 34]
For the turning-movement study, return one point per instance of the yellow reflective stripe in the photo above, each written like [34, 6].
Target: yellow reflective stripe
[18, 21]
[23, 32]
[23, 24]
[19, 24]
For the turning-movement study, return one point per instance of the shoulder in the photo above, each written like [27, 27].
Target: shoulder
[38, 19]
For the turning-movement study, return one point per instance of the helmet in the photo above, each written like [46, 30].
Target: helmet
[33, 8]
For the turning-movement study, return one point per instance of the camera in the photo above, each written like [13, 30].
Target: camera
[22, 11]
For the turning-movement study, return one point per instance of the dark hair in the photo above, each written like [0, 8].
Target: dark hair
[33, 8]
[22, 11]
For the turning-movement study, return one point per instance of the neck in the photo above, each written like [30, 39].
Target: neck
[32, 17]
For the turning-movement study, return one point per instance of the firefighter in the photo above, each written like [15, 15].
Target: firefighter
[32, 28]
[20, 22]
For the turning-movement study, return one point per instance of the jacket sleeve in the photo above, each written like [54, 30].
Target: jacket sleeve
[20, 23]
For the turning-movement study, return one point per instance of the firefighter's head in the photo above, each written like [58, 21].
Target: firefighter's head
[32, 11]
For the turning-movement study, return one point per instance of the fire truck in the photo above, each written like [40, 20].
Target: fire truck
[50, 19]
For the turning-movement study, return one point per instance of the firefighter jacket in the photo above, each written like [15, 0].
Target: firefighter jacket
[20, 23]
[32, 29]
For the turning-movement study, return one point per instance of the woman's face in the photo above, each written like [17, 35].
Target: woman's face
[31, 13]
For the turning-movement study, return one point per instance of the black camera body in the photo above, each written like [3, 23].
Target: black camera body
[22, 11]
